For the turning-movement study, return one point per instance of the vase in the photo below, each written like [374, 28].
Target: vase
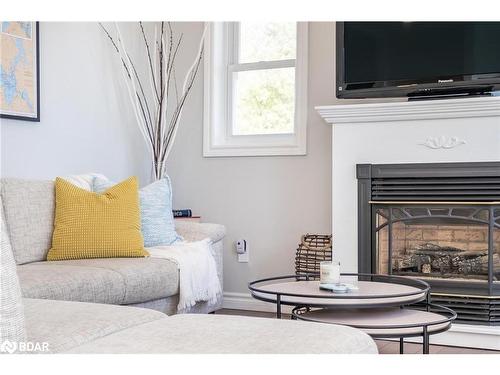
[158, 170]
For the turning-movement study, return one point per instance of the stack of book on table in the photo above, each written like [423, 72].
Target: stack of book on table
[185, 214]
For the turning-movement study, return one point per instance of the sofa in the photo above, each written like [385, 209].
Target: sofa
[74, 306]
[51, 326]
[143, 282]
[90, 328]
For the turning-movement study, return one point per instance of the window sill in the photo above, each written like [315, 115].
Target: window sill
[235, 151]
[217, 144]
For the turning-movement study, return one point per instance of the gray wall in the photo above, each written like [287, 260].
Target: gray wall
[86, 121]
[87, 126]
[269, 201]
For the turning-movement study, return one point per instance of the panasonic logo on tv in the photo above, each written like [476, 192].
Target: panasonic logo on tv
[445, 80]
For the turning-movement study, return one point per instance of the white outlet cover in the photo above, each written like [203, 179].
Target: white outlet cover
[244, 258]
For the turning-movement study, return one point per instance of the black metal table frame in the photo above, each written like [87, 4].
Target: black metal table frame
[424, 289]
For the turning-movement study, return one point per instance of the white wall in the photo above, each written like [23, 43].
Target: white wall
[86, 121]
[269, 201]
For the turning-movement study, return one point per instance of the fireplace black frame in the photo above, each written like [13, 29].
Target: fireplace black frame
[482, 181]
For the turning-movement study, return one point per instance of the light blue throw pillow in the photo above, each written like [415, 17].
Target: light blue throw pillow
[157, 220]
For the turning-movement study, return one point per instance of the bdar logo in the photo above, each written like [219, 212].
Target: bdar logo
[8, 347]
[23, 346]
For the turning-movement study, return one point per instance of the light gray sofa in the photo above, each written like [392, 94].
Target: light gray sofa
[57, 326]
[143, 282]
[83, 328]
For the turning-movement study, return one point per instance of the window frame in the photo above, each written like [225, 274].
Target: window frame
[220, 62]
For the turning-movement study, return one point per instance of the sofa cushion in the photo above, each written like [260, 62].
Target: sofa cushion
[200, 334]
[64, 325]
[115, 281]
[83, 181]
[11, 307]
[89, 225]
[157, 220]
[29, 211]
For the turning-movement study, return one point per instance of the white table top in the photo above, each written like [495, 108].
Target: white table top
[308, 293]
[389, 321]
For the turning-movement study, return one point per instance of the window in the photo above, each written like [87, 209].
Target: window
[255, 89]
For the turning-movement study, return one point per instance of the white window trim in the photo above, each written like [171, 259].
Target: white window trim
[217, 138]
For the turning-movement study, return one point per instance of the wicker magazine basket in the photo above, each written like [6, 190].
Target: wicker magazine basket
[313, 249]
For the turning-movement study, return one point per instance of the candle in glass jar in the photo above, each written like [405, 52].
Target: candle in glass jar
[329, 272]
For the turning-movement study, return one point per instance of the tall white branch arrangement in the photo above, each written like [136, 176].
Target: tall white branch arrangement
[158, 103]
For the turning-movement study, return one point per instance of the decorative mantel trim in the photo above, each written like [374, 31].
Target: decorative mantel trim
[414, 110]
[443, 142]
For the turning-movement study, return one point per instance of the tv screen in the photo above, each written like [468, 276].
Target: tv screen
[380, 59]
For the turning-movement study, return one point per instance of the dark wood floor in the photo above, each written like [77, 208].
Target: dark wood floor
[384, 347]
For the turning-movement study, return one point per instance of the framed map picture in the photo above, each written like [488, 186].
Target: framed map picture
[19, 71]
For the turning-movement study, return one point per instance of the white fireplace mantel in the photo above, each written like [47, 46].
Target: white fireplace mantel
[412, 110]
[448, 130]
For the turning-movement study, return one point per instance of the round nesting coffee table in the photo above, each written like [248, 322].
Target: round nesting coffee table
[379, 306]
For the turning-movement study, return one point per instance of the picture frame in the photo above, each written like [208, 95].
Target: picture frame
[20, 84]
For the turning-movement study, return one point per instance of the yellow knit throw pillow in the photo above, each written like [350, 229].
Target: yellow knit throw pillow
[92, 225]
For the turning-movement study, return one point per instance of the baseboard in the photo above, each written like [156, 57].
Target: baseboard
[463, 335]
[244, 301]
[469, 336]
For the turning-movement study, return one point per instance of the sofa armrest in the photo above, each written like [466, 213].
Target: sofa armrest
[198, 231]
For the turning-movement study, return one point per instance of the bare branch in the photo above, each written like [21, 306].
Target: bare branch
[169, 62]
[116, 47]
[175, 117]
[146, 104]
[150, 61]
[175, 87]
[161, 57]
[153, 116]
[161, 103]
[144, 117]
[172, 62]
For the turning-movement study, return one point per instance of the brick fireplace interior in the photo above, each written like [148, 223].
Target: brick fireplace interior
[452, 244]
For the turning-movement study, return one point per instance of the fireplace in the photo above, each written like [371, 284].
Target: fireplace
[439, 242]
[437, 222]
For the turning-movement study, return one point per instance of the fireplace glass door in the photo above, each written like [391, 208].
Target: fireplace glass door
[451, 243]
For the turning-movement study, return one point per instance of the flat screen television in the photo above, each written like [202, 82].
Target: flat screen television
[417, 59]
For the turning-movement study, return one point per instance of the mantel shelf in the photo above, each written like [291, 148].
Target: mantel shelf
[413, 110]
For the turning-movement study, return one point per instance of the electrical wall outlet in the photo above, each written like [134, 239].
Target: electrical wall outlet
[242, 251]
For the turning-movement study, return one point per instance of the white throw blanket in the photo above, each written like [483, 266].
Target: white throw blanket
[198, 279]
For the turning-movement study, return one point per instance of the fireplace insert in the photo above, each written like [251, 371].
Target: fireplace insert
[437, 222]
